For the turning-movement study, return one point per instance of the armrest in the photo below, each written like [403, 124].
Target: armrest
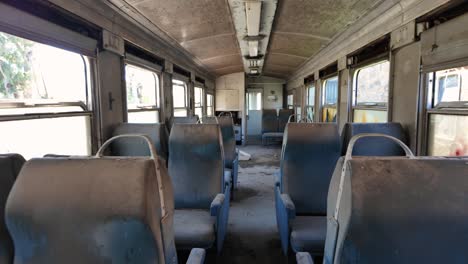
[304, 258]
[278, 179]
[197, 256]
[217, 204]
[288, 205]
[227, 177]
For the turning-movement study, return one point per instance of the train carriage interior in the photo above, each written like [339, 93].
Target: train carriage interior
[233, 131]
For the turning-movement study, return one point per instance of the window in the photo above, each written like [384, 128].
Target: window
[254, 101]
[310, 102]
[45, 99]
[370, 93]
[330, 99]
[142, 95]
[290, 101]
[210, 105]
[447, 116]
[199, 94]
[179, 96]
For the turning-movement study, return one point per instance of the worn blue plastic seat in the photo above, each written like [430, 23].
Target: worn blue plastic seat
[283, 118]
[10, 166]
[91, 210]
[374, 146]
[196, 167]
[231, 155]
[309, 155]
[398, 210]
[136, 146]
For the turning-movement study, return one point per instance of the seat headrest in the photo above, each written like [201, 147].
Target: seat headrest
[309, 155]
[137, 146]
[374, 146]
[196, 164]
[92, 209]
[10, 166]
[400, 210]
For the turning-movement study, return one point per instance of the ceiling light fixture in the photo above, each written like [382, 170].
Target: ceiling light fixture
[253, 11]
[253, 48]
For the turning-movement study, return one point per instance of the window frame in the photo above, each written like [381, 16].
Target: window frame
[186, 93]
[91, 79]
[354, 90]
[307, 106]
[323, 83]
[203, 100]
[157, 72]
[428, 106]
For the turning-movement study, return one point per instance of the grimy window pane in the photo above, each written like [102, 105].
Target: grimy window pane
[145, 117]
[142, 88]
[329, 114]
[451, 85]
[36, 73]
[372, 84]
[369, 116]
[179, 94]
[448, 135]
[331, 91]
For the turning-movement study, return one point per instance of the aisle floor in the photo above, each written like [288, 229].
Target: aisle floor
[252, 234]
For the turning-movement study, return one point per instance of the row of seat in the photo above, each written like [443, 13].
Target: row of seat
[274, 123]
[382, 203]
[100, 209]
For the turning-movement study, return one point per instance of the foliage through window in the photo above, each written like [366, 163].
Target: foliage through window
[142, 95]
[179, 97]
[55, 83]
[447, 116]
[370, 93]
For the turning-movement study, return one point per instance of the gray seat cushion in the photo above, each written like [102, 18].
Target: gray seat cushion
[308, 233]
[273, 134]
[194, 228]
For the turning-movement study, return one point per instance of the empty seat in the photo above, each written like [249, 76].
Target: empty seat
[196, 167]
[90, 210]
[231, 155]
[137, 146]
[209, 120]
[10, 166]
[398, 210]
[283, 118]
[374, 146]
[182, 120]
[309, 155]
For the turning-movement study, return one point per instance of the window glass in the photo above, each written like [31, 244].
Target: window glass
[290, 101]
[35, 73]
[329, 114]
[330, 96]
[372, 84]
[179, 95]
[369, 116]
[451, 85]
[310, 103]
[41, 79]
[142, 95]
[199, 101]
[210, 105]
[448, 135]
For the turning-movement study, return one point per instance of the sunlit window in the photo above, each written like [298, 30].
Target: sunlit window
[55, 83]
[199, 94]
[179, 95]
[370, 93]
[310, 102]
[330, 99]
[290, 99]
[448, 112]
[210, 105]
[142, 95]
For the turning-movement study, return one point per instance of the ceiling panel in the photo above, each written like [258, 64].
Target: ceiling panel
[314, 25]
[203, 27]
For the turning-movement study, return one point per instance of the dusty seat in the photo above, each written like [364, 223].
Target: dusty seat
[231, 155]
[196, 167]
[309, 155]
[398, 210]
[194, 227]
[10, 166]
[90, 210]
[136, 146]
[374, 146]
[283, 118]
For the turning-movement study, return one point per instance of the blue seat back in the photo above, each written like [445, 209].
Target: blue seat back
[226, 125]
[309, 155]
[374, 146]
[10, 166]
[399, 210]
[137, 146]
[269, 121]
[182, 120]
[283, 118]
[95, 210]
[196, 164]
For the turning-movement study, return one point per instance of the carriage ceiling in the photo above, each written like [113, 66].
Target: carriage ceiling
[211, 30]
